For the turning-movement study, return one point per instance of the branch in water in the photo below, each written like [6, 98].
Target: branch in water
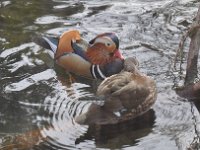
[192, 60]
[154, 48]
[179, 52]
[194, 33]
[191, 89]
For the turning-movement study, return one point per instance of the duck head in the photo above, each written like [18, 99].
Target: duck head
[103, 49]
[131, 64]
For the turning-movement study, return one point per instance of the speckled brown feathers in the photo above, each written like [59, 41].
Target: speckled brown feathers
[131, 89]
[127, 95]
[134, 90]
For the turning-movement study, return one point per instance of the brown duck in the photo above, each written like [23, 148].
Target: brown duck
[126, 95]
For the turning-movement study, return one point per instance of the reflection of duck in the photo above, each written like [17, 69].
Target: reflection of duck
[98, 59]
[127, 95]
[117, 136]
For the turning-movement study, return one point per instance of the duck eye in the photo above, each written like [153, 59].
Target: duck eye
[108, 44]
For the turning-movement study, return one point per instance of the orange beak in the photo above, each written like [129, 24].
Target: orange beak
[118, 54]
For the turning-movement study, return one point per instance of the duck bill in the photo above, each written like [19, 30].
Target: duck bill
[118, 54]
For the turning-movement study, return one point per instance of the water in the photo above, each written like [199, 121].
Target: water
[38, 105]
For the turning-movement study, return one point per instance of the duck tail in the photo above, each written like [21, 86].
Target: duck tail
[47, 43]
[50, 43]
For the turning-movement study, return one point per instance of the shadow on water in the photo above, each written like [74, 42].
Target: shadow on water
[126, 133]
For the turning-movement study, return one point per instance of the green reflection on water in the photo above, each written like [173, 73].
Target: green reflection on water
[17, 20]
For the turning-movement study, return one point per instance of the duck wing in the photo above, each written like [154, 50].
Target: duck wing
[80, 48]
[112, 84]
[106, 90]
[130, 89]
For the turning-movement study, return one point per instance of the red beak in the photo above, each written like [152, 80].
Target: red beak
[118, 54]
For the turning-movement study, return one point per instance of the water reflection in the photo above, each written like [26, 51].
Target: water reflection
[57, 129]
[38, 106]
[126, 133]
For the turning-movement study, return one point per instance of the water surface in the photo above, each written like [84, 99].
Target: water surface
[38, 105]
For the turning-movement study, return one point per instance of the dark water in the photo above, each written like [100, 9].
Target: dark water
[38, 105]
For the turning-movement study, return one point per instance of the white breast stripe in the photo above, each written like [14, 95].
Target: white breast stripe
[93, 72]
[100, 72]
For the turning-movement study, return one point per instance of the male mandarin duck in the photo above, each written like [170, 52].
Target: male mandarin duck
[126, 95]
[99, 58]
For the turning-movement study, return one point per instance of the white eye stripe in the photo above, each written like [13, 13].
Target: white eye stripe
[108, 44]
[104, 40]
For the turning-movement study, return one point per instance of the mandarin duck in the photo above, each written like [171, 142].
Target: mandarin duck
[126, 95]
[98, 59]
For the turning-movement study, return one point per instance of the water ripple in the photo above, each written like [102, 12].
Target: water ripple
[61, 128]
[48, 20]
[38, 107]
[14, 50]
[27, 82]
[5, 3]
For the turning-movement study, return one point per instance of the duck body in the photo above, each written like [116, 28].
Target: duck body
[99, 58]
[126, 95]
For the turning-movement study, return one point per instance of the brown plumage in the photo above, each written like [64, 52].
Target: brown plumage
[127, 95]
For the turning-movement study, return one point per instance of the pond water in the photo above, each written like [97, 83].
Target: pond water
[38, 105]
